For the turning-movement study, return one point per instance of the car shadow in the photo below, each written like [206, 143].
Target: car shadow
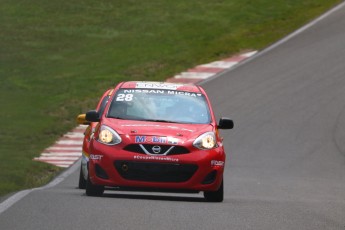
[151, 197]
[154, 197]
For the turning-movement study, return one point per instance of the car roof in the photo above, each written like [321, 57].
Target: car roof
[161, 85]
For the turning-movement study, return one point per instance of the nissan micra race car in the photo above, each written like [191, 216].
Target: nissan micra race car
[154, 136]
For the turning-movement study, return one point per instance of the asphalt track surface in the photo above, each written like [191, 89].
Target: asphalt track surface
[286, 155]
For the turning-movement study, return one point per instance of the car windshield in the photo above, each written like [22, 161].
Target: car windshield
[160, 105]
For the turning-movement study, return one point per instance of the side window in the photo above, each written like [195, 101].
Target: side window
[103, 104]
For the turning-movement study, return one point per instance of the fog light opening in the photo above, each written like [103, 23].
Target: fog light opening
[210, 178]
[100, 172]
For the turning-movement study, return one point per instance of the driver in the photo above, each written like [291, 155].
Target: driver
[118, 110]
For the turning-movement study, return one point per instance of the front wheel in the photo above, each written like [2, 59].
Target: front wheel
[215, 196]
[82, 181]
[93, 190]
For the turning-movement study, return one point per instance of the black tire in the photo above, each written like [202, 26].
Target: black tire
[216, 196]
[93, 190]
[82, 181]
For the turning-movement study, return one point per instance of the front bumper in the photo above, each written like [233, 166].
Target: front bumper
[199, 170]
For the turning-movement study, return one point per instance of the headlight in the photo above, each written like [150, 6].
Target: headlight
[108, 136]
[205, 141]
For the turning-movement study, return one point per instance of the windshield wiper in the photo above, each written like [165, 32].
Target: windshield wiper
[121, 118]
[159, 120]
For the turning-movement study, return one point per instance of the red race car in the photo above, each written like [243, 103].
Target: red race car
[156, 136]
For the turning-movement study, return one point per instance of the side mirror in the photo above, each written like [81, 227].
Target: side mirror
[225, 123]
[92, 116]
[81, 120]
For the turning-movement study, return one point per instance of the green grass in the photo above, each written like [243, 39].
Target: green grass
[57, 57]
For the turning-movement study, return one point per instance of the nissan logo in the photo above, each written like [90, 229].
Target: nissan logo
[156, 149]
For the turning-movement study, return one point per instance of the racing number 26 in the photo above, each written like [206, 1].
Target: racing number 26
[124, 97]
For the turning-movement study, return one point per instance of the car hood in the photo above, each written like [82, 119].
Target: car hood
[156, 132]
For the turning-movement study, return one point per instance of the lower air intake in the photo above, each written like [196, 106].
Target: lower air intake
[155, 172]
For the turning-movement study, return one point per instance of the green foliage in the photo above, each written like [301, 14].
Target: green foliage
[57, 57]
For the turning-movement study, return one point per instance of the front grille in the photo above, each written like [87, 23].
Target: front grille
[155, 172]
[165, 149]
